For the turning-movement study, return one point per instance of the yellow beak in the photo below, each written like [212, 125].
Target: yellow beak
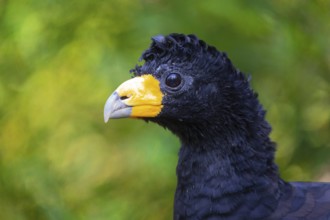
[139, 97]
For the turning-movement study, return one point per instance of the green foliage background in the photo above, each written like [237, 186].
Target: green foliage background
[59, 61]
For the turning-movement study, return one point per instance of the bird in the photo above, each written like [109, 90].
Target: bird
[226, 167]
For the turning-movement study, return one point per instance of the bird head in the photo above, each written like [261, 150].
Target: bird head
[186, 86]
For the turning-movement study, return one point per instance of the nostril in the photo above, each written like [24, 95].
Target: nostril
[124, 97]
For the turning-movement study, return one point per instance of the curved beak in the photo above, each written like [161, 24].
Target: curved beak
[139, 97]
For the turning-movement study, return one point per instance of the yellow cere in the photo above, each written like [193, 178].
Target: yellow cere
[143, 94]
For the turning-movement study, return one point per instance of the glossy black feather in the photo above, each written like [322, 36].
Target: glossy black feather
[226, 166]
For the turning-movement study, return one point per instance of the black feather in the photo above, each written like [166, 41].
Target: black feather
[226, 166]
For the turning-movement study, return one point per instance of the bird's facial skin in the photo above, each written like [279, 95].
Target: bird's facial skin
[140, 97]
[165, 93]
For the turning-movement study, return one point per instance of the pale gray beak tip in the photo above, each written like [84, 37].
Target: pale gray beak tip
[116, 108]
[106, 118]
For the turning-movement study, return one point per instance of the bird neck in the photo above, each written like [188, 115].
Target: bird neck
[226, 176]
[246, 162]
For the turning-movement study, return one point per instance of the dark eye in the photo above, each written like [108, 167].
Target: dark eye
[173, 80]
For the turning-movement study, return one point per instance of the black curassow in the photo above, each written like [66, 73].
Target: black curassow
[226, 166]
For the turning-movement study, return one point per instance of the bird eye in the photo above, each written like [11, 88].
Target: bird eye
[173, 80]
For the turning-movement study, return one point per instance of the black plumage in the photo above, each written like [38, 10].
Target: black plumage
[226, 166]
